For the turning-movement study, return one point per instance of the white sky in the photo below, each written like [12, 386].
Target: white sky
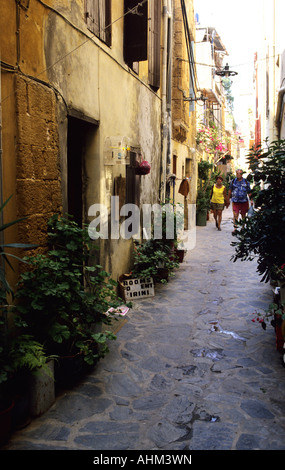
[237, 24]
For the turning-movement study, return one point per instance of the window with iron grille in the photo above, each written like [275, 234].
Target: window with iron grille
[98, 19]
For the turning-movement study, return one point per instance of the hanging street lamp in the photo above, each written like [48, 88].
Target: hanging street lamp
[226, 72]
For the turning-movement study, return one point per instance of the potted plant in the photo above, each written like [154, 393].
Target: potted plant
[156, 257]
[153, 259]
[7, 358]
[203, 192]
[6, 401]
[280, 276]
[32, 382]
[65, 295]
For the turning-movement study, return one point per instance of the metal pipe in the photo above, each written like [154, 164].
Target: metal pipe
[1, 153]
[165, 122]
[279, 108]
[163, 103]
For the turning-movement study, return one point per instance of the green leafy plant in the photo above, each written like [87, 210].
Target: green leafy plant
[152, 256]
[4, 255]
[156, 254]
[28, 354]
[65, 294]
[202, 201]
[10, 344]
[205, 182]
[262, 236]
[227, 84]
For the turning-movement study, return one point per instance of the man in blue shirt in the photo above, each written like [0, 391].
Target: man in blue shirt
[239, 190]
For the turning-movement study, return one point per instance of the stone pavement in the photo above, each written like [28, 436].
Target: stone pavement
[189, 369]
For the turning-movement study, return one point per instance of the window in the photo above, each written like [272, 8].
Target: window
[142, 36]
[98, 18]
[135, 31]
[154, 44]
[174, 164]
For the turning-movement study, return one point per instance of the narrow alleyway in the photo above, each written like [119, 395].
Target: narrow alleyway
[189, 369]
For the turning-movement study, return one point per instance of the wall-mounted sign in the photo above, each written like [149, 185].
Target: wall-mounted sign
[116, 150]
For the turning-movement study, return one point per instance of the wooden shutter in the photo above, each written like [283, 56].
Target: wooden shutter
[92, 16]
[98, 16]
[108, 21]
[132, 181]
[154, 44]
[135, 32]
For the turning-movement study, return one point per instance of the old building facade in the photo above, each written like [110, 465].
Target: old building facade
[183, 167]
[214, 111]
[85, 99]
[269, 73]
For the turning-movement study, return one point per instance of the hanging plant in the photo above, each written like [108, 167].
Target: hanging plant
[209, 141]
[143, 168]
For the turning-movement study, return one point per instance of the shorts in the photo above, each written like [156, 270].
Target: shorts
[217, 207]
[240, 208]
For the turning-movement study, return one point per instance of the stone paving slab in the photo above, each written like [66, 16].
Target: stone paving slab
[188, 371]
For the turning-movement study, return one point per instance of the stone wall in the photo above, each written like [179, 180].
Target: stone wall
[38, 188]
[180, 81]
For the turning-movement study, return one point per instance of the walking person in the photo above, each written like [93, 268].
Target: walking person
[219, 199]
[239, 190]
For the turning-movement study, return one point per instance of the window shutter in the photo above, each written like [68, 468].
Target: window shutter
[135, 32]
[98, 16]
[108, 21]
[132, 181]
[154, 44]
[92, 16]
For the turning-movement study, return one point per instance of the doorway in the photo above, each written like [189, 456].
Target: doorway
[80, 135]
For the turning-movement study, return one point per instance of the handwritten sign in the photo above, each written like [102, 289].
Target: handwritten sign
[135, 289]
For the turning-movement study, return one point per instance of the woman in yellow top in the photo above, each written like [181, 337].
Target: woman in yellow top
[219, 199]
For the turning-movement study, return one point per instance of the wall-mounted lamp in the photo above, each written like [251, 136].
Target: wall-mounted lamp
[226, 72]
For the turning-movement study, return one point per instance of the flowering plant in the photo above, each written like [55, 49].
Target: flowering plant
[280, 272]
[268, 315]
[209, 141]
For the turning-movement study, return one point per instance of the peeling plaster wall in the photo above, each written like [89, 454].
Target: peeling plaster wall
[127, 108]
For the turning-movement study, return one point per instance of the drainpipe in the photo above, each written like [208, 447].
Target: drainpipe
[279, 109]
[164, 112]
[169, 95]
[1, 164]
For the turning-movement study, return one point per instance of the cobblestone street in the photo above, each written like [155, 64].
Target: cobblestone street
[189, 369]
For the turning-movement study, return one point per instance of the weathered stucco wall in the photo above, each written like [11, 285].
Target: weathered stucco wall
[94, 80]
